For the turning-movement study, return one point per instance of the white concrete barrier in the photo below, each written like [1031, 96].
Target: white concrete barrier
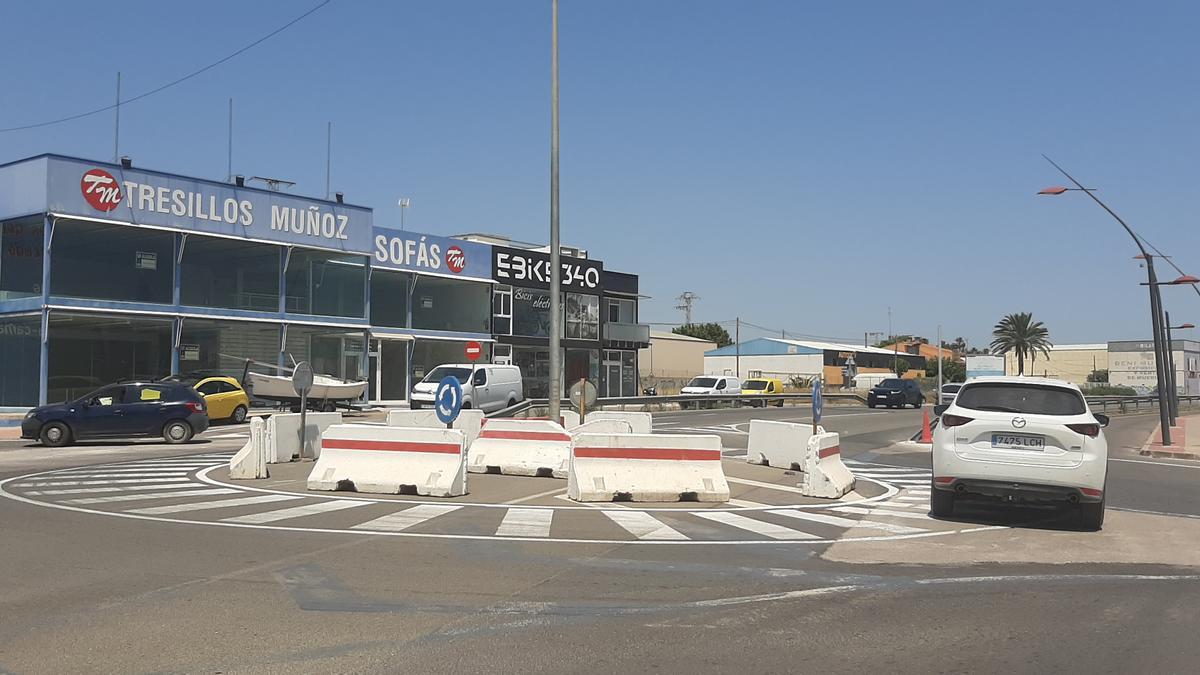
[391, 460]
[641, 422]
[646, 468]
[251, 461]
[283, 435]
[468, 421]
[602, 427]
[824, 473]
[518, 447]
[569, 419]
[779, 444]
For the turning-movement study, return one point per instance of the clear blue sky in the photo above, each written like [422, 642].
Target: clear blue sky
[803, 165]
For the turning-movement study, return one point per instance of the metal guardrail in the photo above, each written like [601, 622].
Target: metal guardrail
[1125, 403]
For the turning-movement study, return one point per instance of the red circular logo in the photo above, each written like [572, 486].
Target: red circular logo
[456, 260]
[101, 190]
[474, 350]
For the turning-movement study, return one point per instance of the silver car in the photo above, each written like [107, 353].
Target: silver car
[948, 392]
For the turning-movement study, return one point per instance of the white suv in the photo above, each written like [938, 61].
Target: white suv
[1020, 439]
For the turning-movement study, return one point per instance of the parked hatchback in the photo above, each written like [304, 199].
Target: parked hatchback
[172, 410]
[896, 393]
[226, 398]
[1021, 439]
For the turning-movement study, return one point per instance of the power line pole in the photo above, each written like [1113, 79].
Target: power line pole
[685, 304]
[737, 346]
[555, 265]
[939, 389]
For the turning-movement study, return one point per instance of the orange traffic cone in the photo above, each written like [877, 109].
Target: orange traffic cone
[926, 434]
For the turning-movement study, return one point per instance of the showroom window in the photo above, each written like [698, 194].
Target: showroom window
[112, 262]
[452, 305]
[328, 284]
[208, 348]
[21, 244]
[20, 353]
[88, 351]
[531, 312]
[389, 298]
[582, 316]
[230, 273]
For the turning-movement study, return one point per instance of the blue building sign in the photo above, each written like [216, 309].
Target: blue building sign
[431, 254]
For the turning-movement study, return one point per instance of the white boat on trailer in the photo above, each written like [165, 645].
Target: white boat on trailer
[326, 390]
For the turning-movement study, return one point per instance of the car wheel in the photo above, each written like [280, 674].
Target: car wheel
[511, 402]
[779, 403]
[55, 435]
[871, 406]
[239, 414]
[466, 405]
[1091, 515]
[918, 404]
[941, 502]
[177, 431]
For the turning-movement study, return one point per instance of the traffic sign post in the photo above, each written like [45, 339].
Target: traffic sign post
[302, 382]
[474, 350]
[448, 400]
[817, 403]
[582, 394]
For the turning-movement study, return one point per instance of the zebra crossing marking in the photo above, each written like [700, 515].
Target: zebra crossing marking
[296, 511]
[881, 512]
[526, 522]
[406, 518]
[756, 526]
[124, 488]
[217, 504]
[848, 523]
[144, 496]
[643, 525]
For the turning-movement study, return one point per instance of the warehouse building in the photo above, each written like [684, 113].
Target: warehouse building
[784, 359]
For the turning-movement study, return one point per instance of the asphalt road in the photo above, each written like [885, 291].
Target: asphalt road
[1022, 591]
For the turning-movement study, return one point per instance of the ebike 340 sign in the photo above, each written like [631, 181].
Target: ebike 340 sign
[532, 269]
[77, 188]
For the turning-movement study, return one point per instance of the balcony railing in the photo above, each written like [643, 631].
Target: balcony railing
[627, 332]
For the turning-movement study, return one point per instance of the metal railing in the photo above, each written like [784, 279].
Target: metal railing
[1126, 403]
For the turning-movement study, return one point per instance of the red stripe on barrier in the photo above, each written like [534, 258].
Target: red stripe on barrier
[682, 454]
[825, 452]
[393, 446]
[525, 435]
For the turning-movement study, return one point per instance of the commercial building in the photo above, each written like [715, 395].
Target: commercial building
[108, 273]
[781, 358]
[1072, 363]
[1131, 363]
[672, 360]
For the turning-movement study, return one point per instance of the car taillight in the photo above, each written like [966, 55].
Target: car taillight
[195, 407]
[944, 479]
[1092, 430]
[954, 420]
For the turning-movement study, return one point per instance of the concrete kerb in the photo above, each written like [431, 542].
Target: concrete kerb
[779, 444]
[391, 460]
[283, 435]
[646, 468]
[468, 421]
[251, 461]
[521, 447]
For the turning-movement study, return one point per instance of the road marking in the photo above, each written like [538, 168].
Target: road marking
[881, 512]
[547, 493]
[97, 482]
[906, 498]
[296, 511]
[126, 488]
[120, 469]
[218, 504]
[846, 522]
[905, 505]
[223, 436]
[756, 526]
[157, 474]
[918, 493]
[1145, 461]
[761, 484]
[144, 496]
[747, 504]
[643, 525]
[526, 522]
[402, 520]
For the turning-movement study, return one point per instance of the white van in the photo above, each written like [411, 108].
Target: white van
[486, 386]
[713, 384]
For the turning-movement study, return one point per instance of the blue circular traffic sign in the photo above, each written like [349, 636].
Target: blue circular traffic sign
[817, 401]
[448, 399]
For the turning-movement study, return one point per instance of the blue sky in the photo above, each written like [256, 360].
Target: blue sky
[802, 165]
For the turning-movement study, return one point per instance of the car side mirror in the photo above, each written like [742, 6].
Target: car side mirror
[939, 409]
[1102, 419]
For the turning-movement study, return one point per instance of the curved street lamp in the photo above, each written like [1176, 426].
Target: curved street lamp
[1156, 319]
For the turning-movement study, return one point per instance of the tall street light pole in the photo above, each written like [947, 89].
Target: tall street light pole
[555, 265]
[1155, 304]
[1171, 351]
[1172, 385]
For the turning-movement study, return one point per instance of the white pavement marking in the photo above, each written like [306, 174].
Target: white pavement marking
[218, 504]
[526, 522]
[296, 511]
[882, 512]
[1146, 461]
[402, 520]
[108, 468]
[547, 493]
[125, 488]
[747, 504]
[907, 498]
[594, 505]
[64, 483]
[846, 522]
[917, 493]
[146, 496]
[905, 505]
[219, 436]
[643, 525]
[161, 474]
[757, 526]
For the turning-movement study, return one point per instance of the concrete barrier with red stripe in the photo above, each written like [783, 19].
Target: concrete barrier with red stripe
[824, 473]
[779, 444]
[641, 422]
[468, 421]
[391, 460]
[646, 468]
[518, 447]
[602, 427]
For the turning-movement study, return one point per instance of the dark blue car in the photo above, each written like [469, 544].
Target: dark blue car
[169, 409]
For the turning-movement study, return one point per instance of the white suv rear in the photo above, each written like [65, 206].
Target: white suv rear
[1021, 439]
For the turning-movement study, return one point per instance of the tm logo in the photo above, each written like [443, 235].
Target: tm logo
[456, 260]
[101, 190]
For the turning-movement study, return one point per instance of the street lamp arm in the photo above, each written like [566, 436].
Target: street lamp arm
[1137, 240]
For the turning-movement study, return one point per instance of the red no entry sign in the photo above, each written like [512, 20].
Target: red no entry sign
[474, 350]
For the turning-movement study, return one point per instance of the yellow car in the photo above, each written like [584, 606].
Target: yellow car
[225, 398]
[761, 386]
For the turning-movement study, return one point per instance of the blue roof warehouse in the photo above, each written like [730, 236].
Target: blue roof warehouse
[110, 272]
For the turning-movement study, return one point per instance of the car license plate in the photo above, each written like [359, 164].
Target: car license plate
[1018, 442]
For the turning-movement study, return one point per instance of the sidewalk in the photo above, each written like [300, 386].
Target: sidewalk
[1185, 441]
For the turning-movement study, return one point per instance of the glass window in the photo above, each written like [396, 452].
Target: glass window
[621, 310]
[531, 312]
[389, 298]
[210, 348]
[88, 351]
[629, 373]
[502, 309]
[428, 354]
[229, 273]
[1028, 399]
[209, 388]
[581, 364]
[328, 284]
[449, 304]
[442, 372]
[20, 355]
[706, 382]
[21, 258]
[112, 262]
[389, 370]
[582, 316]
[331, 351]
[108, 396]
[534, 363]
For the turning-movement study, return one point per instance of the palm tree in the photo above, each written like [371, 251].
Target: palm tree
[1019, 333]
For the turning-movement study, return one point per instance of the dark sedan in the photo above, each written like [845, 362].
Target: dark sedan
[131, 409]
[896, 393]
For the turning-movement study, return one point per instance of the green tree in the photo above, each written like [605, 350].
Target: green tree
[705, 331]
[952, 371]
[902, 367]
[1100, 375]
[1020, 334]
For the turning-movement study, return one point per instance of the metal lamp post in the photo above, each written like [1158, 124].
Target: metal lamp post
[1155, 300]
[555, 265]
[1171, 362]
[1169, 351]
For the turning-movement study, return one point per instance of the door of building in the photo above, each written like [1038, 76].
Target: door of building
[388, 370]
[612, 378]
